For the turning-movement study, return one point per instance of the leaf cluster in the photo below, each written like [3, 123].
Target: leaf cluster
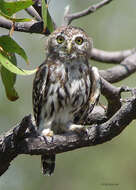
[9, 47]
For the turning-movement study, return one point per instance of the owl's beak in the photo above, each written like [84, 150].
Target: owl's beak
[69, 47]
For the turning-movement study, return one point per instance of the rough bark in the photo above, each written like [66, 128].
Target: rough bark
[23, 139]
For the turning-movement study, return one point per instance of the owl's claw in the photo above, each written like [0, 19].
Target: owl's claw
[47, 134]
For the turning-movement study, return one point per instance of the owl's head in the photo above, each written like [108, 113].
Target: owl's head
[69, 43]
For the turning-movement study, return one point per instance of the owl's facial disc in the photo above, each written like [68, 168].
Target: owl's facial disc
[69, 43]
[69, 48]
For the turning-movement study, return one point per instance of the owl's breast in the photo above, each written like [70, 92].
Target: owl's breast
[72, 84]
[66, 92]
[79, 91]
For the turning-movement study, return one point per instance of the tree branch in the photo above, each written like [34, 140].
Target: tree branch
[68, 18]
[96, 134]
[113, 96]
[122, 71]
[30, 27]
[32, 12]
[8, 142]
[109, 56]
[38, 6]
[23, 138]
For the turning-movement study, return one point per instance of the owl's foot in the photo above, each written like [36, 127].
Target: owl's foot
[47, 135]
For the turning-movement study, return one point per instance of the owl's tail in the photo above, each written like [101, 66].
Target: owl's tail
[48, 164]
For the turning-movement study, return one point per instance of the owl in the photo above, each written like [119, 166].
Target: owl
[65, 88]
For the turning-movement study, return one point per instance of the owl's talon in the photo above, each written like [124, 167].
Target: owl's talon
[43, 138]
[47, 139]
[52, 139]
[47, 133]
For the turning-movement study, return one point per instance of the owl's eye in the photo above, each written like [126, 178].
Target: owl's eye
[79, 40]
[60, 39]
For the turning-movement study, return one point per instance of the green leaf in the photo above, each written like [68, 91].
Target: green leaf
[50, 25]
[46, 17]
[11, 7]
[44, 13]
[9, 80]
[15, 19]
[9, 45]
[11, 67]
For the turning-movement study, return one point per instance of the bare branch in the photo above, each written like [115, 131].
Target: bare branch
[68, 18]
[97, 116]
[8, 142]
[122, 71]
[38, 6]
[96, 134]
[32, 12]
[30, 27]
[21, 141]
[113, 96]
[109, 56]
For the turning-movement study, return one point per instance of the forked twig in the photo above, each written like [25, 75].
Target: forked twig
[68, 18]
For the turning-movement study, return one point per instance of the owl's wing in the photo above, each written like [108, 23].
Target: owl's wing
[95, 91]
[96, 86]
[82, 116]
[40, 88]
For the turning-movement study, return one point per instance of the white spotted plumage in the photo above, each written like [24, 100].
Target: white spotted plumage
[72, 94]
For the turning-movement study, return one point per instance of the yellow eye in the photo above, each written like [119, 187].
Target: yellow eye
[60, 39]
[79, 40]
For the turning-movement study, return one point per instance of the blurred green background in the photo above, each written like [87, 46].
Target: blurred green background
[108, 166]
